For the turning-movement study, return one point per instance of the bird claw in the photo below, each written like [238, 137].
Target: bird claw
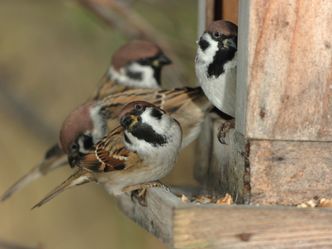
[139, 191]
[224, 128]
[139, 195]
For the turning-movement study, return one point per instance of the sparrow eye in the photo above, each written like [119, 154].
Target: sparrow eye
[74, 146]
[144, 61]
[139, 107]
[216, 35]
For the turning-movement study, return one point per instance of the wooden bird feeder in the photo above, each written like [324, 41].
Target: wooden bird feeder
[280, 152]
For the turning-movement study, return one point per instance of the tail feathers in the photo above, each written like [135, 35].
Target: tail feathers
[32, 175]
[80, 177]
[38, 171]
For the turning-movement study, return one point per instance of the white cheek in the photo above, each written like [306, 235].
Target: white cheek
[99, 124]
[160, 126]
[206, 57]
[148, 80]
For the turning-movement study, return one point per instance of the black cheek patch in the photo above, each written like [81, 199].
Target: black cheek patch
[87, 142]
[156, 113]
[146, 133]
[134, 75]
[203, 44]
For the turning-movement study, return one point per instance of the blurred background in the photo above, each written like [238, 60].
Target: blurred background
[52, 54]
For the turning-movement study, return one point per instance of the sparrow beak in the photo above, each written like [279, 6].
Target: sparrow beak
[161, 60]
[228, 43]
[129, 120]
[78, 178]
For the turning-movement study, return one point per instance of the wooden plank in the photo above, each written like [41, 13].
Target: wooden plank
[227, 167]
[221, 168]
[204, 150]
[157, 217]
[246, 227]
[285, 172]
[210, 226]
[290, 69]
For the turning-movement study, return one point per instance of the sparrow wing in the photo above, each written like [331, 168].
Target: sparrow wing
[110, 154]
[168, 100]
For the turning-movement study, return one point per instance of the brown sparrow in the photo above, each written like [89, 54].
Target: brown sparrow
[136, 64]
[215, 64]
[132, 156]
[86, 125]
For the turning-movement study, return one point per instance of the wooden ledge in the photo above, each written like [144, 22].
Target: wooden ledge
[187, 225]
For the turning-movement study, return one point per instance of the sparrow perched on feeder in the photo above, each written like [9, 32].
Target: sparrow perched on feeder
[137, 64]
[132, 156]
[90, 122]
[215, 65]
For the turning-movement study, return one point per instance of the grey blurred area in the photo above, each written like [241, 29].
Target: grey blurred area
[52, 54]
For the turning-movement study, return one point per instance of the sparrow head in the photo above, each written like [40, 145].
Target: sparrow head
[218, 42]
[148, 128]
[82, 128]
[138, 64]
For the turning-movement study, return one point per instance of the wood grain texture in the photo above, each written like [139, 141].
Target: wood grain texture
[290, 70]
[204, 150]
[226, 172]
[157, 217]
[245, 227]
[210, 226]
[285, 172]
[242, 67]
[220, 168]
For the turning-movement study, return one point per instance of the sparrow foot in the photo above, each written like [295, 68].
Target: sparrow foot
[224, 128]
[138, 191]
[139, 195]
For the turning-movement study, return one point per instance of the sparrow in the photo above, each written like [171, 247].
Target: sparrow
[215, 64]
[137, 64]
[90, 122]
[132, 156]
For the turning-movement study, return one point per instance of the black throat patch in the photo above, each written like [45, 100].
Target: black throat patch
[157, 74]
[146, 133]
[222, 56]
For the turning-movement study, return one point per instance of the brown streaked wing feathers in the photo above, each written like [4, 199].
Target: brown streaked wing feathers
[169, 100]
[110, 154]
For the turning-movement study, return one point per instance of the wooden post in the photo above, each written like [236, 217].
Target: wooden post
[281, 150]
[287, 83]
[187, 225]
